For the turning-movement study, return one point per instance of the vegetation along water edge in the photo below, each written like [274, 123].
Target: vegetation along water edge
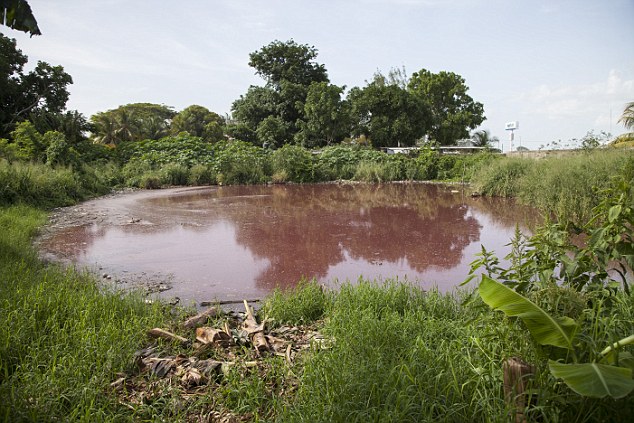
[396, 353]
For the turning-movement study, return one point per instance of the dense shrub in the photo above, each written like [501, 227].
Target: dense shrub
[501, 178]
[295, 162]
[561, 186]
[41, 185]
[239, 162]
[201, 175]
[174, 174]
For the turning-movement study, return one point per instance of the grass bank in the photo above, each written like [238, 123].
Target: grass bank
[566, 187]
[63, 338]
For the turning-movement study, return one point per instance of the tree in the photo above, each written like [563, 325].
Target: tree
[200, 122]
[627, 118]
[17, 14]
[255, 106]
[44, 89]
[453, 111]
[288, 61]
[72, 124]
[483, 138]
[288, 69]
[326, 116]
[272, 132]
[387, 114]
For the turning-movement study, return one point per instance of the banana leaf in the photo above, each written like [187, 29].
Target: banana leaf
[594, 380]
[546, 329]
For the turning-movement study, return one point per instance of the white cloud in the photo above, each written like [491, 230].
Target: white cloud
[565, 101]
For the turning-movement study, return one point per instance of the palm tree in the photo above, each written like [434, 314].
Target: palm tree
[126, 126]
[483, 138]
[627, 118]
[105, 128]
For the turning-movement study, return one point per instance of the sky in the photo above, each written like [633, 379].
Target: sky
[560, 68]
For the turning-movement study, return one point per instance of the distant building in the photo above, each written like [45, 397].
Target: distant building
[453, 149]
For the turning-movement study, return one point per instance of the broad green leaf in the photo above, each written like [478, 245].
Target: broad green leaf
[594, 380]
[546, 329]
[614, 213]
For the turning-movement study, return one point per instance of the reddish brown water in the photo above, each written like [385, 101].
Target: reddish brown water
[238, 242]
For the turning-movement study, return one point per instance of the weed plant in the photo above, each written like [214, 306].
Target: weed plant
[401, 354]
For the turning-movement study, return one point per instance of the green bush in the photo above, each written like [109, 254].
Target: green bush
[370, 172]
[174, 174]
[295, 162]
[40, 185]
[565, 186]
[502, 177]
[201, 175]
[239, 162]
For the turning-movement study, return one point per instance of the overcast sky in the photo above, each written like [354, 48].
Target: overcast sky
[560, 68]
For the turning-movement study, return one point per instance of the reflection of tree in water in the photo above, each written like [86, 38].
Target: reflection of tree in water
[306, 229]
[393, 234]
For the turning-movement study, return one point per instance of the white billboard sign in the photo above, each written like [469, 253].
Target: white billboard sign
[511, 126]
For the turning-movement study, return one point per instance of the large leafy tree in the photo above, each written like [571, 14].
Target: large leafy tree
[256, 105]
[43, 90]
[326, 116]
[454, 113]
[289, 69]
[388, 114]
[288, 61]
[200, 122]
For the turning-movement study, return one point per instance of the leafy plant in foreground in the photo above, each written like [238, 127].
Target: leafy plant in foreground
[612, 375]
[590, 257]
[551, 262]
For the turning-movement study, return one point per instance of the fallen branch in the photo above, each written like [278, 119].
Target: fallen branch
[222, 302]
[162, 333]
[201, 318]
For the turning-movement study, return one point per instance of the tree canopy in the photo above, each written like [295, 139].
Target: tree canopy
[275, 113]
[453, 111]
[388, 114]
[132, 122]
[200, 122]
[42, 90]
[288, 61]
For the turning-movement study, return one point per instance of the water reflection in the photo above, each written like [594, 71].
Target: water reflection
[231, 241]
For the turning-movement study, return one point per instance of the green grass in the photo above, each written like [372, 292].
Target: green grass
[63, 338]
[565, 187]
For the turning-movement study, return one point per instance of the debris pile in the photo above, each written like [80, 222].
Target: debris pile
[196, 360]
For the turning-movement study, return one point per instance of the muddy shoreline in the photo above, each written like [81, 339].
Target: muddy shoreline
[91, 212]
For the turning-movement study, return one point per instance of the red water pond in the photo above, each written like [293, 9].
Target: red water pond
[241, 242]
